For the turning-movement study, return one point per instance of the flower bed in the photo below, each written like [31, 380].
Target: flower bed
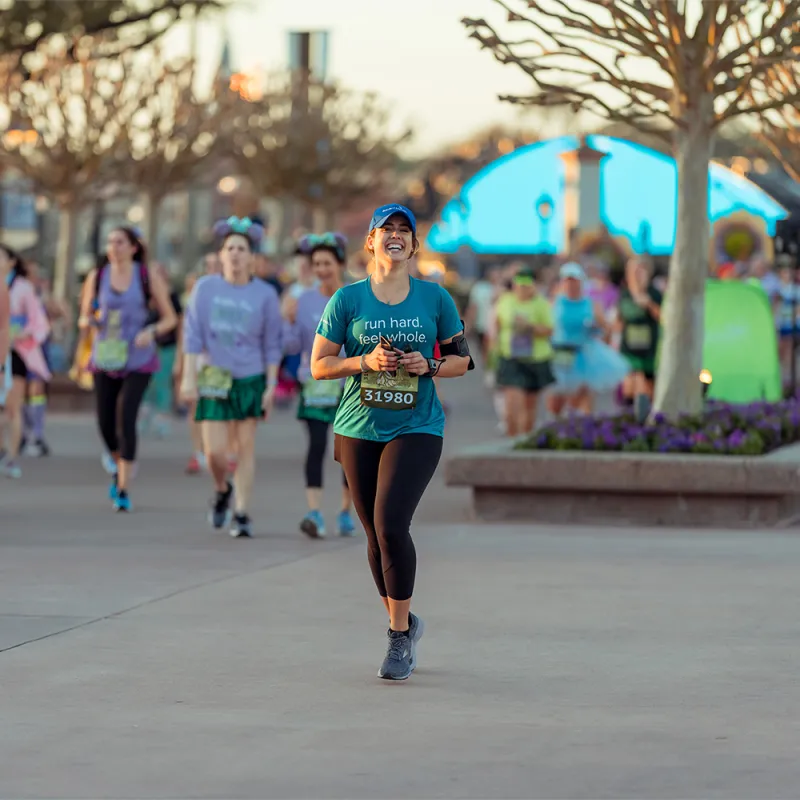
[722, 429]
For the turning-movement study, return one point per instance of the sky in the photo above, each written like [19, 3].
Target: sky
[415, 54]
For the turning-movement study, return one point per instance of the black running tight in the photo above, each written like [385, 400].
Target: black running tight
[315, 457]
[387, 481]
[123, 395]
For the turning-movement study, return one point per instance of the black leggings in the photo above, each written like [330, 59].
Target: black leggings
[315, 457]
[108, 390]
[387, 481]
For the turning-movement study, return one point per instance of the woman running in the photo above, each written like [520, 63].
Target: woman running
[318, 399]
[524, 325]
[234, 322]
[116, 303]
[390, 423]
[582, 363]
[29, 330]
[639, 322]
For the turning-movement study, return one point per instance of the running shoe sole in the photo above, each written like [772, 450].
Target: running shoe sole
[310, 529]
[415, 640]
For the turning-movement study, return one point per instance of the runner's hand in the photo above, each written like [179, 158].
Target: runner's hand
[267, 401]
[380, 360]
[188, 393]
[415, 363]
[144, 338]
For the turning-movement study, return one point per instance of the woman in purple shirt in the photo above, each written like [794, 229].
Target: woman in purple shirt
[318, 399]
[115, 303]
[232, 351]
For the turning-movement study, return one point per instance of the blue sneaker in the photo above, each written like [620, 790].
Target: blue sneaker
[345, 525]
[112, 488]
[313, 525]
[122, 502]
[398, 664]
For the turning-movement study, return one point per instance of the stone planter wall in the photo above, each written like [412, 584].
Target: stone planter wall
[629, 489]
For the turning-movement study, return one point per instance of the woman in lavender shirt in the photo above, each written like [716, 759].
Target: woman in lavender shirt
[115, 303]
[318, 399]
[233, 322]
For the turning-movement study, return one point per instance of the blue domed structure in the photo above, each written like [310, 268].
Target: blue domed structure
[518, 203]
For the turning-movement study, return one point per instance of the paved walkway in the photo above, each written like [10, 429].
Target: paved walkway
[145, 657]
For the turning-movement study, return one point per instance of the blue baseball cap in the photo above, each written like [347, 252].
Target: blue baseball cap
[382, 214]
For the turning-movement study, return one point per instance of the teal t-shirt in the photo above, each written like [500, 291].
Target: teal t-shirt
[356, 319]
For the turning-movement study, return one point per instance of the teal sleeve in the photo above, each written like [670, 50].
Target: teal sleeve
[335, 319]
[449, 323]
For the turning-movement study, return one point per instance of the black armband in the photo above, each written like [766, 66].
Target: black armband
[459, 346]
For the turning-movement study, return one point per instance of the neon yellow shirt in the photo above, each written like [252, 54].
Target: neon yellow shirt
[523, 346]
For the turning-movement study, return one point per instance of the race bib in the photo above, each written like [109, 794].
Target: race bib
[395, 393]
[214, 382]
[522, 345]
[321, 394]
[564, 357]
[16, 325]
[111, 355]
[638, 337]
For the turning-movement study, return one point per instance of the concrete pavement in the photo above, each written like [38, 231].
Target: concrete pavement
[145, 657]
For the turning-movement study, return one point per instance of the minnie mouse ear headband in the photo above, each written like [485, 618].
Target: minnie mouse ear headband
[253, 231]
[335, 241]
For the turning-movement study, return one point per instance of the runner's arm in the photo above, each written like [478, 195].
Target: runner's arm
[453, 366]
[326, 363]
[272, 345]
[5, 317]
[87, 297]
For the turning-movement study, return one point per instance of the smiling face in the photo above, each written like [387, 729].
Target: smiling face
[325, 266]
[394, 241]
[236, 257]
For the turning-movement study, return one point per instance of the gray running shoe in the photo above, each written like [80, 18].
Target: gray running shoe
[416, 628]
[397, 664]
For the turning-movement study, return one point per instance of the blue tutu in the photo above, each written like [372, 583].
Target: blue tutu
[595, 365]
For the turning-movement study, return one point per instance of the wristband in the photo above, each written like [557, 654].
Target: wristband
[272, 384]
[364, 368]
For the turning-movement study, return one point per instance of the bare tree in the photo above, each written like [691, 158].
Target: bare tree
[780, 128]
[26, 24]
[66, 120]
[710, 62]
[318, 144]
[173, 132]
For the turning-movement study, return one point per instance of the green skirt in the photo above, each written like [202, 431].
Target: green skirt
[243, 402]
[645, 364]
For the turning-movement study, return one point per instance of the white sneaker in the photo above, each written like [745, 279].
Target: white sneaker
[10, 469]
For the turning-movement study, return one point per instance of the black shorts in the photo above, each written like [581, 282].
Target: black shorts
[530, 376]
[18, 368]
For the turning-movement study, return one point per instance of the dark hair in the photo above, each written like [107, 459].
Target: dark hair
[331, 242]
[336, 252]
[252, 232]
[139, 250]
[18, 267]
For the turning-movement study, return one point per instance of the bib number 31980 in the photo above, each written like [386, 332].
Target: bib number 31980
[395, 393]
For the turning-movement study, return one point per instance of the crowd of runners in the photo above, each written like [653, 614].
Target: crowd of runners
[363, 355]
